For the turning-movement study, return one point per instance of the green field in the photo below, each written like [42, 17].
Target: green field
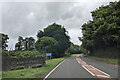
[33, 72]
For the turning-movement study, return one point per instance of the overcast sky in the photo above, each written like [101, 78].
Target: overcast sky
[27, 18]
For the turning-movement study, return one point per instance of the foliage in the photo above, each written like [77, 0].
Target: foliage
[104, 30]
[17, 54]
[3, 41]
[47, 45]
[32, 72]
[73, 49]
[18, 46]
[25, 44]
[107, 60]
[59, 33]
[4, 52]
[82, 49]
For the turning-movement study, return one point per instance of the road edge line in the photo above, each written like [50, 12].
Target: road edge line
[88, 70]
[53, 69]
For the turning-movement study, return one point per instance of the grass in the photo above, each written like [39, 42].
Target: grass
[107, 60]
[75, 54]
[33, 72]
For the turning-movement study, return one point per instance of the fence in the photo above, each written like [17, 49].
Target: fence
[9, 63]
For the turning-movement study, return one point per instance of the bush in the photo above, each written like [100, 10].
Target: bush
[59, 33]
[24, 53]
[72, 49]
[47, 45]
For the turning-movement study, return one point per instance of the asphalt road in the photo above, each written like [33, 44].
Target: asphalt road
[110, 69]
[70, 68]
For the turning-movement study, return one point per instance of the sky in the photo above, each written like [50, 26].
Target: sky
[27, 18]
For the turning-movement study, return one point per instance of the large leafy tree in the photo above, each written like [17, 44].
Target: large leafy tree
[59, 33]
[47, 45]
[104, 30]
[3, 41]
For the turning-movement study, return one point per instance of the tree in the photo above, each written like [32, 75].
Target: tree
[31, 43]
[19, 44]
[40, 34]
[3, 41]
[47, 45]
[73, 49]
[59, 33]
[104, 30]
[25, 44]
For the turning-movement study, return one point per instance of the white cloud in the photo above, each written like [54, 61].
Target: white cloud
[27, 18]
[74, 33]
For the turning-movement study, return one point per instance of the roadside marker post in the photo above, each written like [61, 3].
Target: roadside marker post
[49, 55]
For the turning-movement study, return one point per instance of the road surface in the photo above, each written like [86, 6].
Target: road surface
[72, 69]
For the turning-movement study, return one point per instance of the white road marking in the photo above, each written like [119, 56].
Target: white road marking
[103, 76]
[78, 61]
[108, 76]
[88, 70]
[53, 70]
[84, 62]
[85, 68]
[101, 71]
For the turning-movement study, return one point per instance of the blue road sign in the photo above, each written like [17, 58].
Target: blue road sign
[49, 54]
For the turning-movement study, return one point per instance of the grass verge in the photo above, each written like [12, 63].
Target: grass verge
[107, 60]
[33, 72]
[75, 54]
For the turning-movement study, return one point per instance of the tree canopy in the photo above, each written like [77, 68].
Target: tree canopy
[3, 41]
[47, 45]
[59, 33]
[73, 49]
[104, 30]
[25, 44]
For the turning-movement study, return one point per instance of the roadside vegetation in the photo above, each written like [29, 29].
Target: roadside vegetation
[23, 54]
[75, 49]
[53, 39]
[100, 41]
[101, 36]
[107, 60]
[34, 72]
[47, 45]
[58, 33]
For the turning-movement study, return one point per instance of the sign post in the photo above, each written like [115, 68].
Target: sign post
[48, 55]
